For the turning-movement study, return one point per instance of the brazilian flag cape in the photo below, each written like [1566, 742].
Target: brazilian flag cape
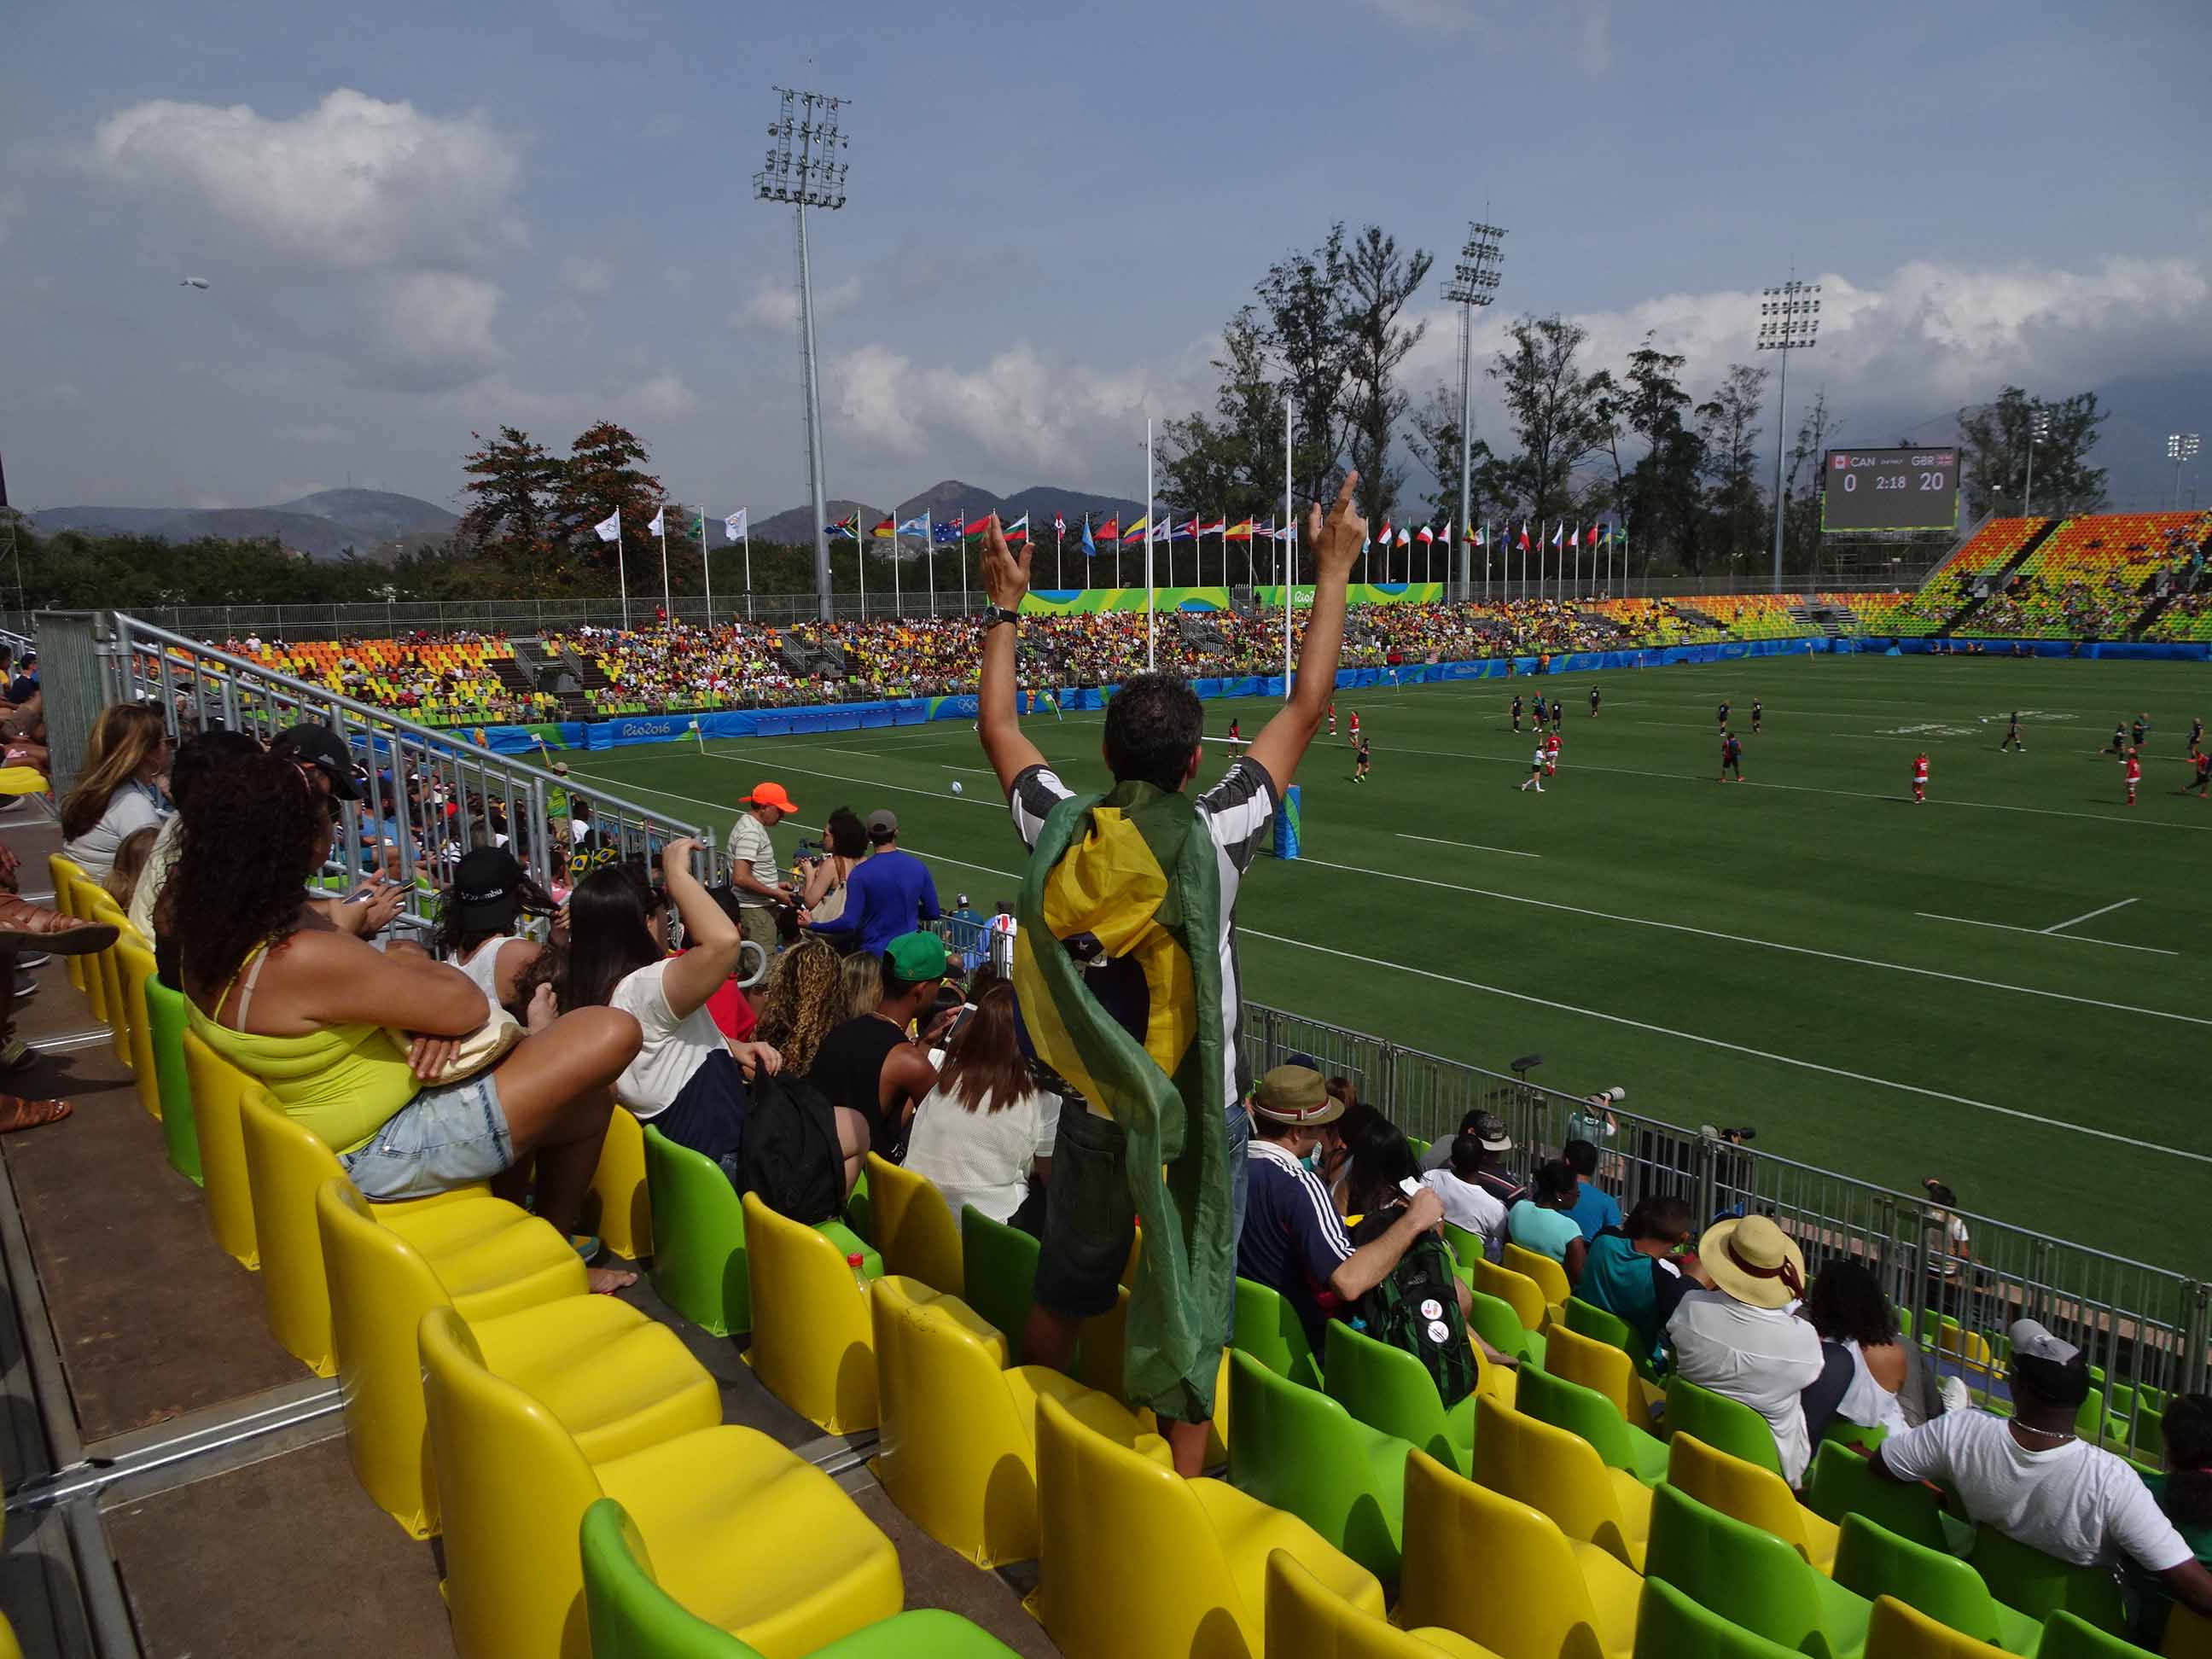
[1137, 869]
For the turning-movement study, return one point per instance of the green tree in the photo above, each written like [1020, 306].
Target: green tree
[605, 473]
[1801, 485]
[1553, 407]
[1301, 299]
[1660, 495]
[512, 483]
[1231, 464]
[1379, 282]
[1493, 483]
[1996, 439]
[1727, 424]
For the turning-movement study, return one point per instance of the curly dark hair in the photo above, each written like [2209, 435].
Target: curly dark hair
[1846, 1303]
[2187, 1429]
[1152, 726]
[250, 844]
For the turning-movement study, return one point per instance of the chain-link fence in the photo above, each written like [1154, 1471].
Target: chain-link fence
[1960, 1278]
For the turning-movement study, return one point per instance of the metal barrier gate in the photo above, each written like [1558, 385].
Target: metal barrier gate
[2145, 1330]
[556, 827]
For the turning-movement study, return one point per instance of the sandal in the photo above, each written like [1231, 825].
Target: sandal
[16, 1113]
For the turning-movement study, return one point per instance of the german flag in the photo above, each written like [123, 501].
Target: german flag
[1131, 879]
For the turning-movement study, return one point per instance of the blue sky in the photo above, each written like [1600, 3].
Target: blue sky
[541, 214]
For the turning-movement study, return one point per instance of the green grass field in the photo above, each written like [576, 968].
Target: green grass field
[2005, 986]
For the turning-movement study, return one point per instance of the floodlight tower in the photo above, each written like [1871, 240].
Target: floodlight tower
[1473, 285]
[2038, 431]
[2179, 447]
[1792, 321]
[803, 170]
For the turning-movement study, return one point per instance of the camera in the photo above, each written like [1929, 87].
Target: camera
[1735, 1137]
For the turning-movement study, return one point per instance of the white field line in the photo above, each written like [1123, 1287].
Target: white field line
[2045, 932]
[1735, 1048]
[1474, 845]
[1805, 788]
[1763, 944]
[2060, 926]
[778, 764]
[947, 766]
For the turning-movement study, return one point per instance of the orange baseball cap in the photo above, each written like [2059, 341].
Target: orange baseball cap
[771, 794]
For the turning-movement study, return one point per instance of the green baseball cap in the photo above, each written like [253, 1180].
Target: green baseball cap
[916, 957]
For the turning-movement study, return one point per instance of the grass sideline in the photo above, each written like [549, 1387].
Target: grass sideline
[2005, 986]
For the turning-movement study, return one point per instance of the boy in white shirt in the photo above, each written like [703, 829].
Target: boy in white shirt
[1469, 1204]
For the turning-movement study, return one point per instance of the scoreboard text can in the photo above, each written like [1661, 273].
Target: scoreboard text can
[1890, 489]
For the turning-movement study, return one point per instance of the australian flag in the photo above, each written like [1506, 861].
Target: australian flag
[946, 535]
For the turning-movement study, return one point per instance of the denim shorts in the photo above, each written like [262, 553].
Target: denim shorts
[442, 1138]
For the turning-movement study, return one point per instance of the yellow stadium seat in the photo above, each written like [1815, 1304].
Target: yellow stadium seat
[1561, 1473]
[624, 1206]
[1550, 1278]
[913, 1227]
[65, 873]
[1605, 1368]
[958, 1447]
[135, 964]
[613, 1379]
[741, 1532]
[1198, 1584]
[1751, 1494]
[1895, 1631]
[104, 908]
[1501, 1573]
[1517, 1289]
[811, 1346]
[1305, 1620]
[217, 1088]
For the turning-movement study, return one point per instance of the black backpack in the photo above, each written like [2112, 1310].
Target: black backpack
[788, 1151]
[1416, 1309]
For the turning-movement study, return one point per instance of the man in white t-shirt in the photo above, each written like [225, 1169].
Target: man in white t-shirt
[2031, 1478]
[755, 880]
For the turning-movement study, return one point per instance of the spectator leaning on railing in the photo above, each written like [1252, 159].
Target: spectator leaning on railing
[1143, 884]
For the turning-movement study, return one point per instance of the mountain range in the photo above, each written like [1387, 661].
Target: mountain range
[376, 524]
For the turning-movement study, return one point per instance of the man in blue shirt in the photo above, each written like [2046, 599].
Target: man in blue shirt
[1593, 1209]
[24, 685]
[889, 893]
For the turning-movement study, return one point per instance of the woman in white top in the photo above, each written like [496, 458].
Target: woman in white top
[491, 894]
[121, 789]
[985, 1125]
[1467, 1203]
[688, 1080]
[1846, 1306]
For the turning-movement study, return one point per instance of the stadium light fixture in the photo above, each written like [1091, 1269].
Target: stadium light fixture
[1473, 285]
[2038, 431]
[804, 170]
[2179, 447]
[1789, 320]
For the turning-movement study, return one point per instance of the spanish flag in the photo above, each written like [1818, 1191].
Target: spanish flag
[1130, 879]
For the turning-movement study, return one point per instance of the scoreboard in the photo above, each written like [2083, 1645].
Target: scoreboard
[1890, 489]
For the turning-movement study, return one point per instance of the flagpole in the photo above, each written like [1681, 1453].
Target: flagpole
[622, 571]
[860, 564]
[706, 564]
[929, 552]
[1150, 651]
[667, 605]
[747, 538]
[1289, 549]
[1059, 534]
[963, 560]
[898, 603]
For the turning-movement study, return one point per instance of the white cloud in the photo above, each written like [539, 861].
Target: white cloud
[587, 273]
[354, 183]
[775, 306]
[661, 397]
[435, 329]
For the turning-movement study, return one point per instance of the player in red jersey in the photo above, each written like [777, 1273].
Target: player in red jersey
[1355, 728]
[2204, 774]
[1920, 777]
[2134, 766]
[1731, 756]
[1552, 755]
[1332, 717]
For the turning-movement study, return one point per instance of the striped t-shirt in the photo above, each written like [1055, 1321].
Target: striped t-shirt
[1237, 811]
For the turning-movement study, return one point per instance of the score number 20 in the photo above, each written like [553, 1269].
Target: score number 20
[1928, 481]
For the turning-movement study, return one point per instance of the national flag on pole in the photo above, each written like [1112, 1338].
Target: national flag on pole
[1220, 526]
[734, 527]
[1184, 531]
[1137, 528]
[915, 526]
[1240, 532]
[848, 526]
[946, 531]
[1383, 540]
[975, 526]
[1404, 540]
[703, 529]
[1557, 530]
[609, 527]
[1524, 535]
[1059, 524]
[658, 526]
[1474, 535]
[1018, 530]
[1111, 529]
[1428, 534]
[1089, 546]
[886, 528]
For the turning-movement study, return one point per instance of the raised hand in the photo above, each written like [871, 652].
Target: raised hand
[1006, 578]
[1337, 540]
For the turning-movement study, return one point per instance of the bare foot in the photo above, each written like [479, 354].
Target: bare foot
[605, 1281]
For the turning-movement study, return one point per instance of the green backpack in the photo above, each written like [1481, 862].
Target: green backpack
[1416, 1309]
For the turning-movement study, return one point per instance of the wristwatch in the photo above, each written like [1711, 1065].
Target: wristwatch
[995, 614]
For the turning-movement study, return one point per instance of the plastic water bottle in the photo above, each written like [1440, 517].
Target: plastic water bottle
[858, 1264]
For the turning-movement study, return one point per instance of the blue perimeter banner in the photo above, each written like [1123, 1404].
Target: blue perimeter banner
[920, 711]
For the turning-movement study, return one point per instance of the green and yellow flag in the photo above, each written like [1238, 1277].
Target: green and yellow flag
[1136, 870]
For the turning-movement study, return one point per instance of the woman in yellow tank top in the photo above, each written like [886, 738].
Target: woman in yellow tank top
[300, 1001]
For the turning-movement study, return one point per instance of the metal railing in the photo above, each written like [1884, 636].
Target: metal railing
[462, 794]
[2145, 1329]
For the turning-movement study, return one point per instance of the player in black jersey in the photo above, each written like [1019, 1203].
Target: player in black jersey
[1360, 769]
[1757, 715]
[2012, 736]
[1594, 694]
[1516, 711]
